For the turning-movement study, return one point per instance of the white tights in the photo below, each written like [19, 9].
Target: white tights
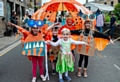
[60, 75]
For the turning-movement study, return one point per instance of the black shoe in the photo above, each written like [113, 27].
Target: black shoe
[53, 72]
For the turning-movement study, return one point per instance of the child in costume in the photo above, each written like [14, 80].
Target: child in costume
[54, 50]
[34, 46]
[91, 37]
[65, 60]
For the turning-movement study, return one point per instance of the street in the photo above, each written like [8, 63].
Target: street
[15, 67]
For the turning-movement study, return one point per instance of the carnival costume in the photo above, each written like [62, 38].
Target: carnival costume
[65, 60]
[94, 39]
[34, 46]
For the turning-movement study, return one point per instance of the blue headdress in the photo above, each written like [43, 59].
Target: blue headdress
[35, 23]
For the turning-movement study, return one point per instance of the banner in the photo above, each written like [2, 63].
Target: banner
[1, 9]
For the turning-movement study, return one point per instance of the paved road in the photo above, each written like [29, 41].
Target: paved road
[17, 68]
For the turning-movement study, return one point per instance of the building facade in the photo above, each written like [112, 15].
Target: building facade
[109, 2]
[8, 6]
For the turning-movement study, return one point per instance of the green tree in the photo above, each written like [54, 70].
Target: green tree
[117, 11]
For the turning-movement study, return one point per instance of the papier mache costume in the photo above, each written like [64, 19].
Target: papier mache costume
[34, 45]
[94, 39]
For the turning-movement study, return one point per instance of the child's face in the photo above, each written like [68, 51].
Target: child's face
[88, 25]
[55, 31]
[65, 35]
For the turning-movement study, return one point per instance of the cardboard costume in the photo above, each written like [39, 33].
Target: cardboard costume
[94, 39]
[34, 45]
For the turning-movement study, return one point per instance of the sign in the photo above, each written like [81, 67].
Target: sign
[1, 9]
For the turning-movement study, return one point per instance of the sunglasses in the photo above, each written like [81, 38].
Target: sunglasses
[89, 16]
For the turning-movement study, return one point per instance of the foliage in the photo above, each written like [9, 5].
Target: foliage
[107, 17]
[117, 11]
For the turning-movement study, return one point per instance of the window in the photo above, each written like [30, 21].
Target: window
[105, 3]
[112, 3]
[118, 1]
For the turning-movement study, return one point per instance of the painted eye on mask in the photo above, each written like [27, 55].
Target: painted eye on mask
[88, 17]
[85, 17]
[92, 16]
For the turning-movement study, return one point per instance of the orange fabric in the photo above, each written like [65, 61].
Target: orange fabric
[78, 22]
[40, 51]
[55, 6]
[101, 43]
[53, 16]
[31, 38]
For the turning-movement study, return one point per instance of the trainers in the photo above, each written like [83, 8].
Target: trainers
[43, 78]
[67, 78]
[34, 79]
[60, 80]
[53, 72]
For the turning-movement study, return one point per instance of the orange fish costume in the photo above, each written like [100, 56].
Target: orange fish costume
[34, 45]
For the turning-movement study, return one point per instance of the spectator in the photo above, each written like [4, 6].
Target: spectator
[25, 20]
[100, 22]
[58, 19]
[112, 25]
[14, 20]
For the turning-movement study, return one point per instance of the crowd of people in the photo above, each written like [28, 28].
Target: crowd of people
[61, 35]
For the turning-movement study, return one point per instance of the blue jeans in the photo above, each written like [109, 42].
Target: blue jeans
[111, 31]
[100, 29]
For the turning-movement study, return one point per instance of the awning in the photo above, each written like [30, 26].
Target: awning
[102, 7]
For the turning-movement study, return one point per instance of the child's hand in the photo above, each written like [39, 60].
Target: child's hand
[86, 43]
[111, 41]
[48, 41]
[57, 24]
[9, 23]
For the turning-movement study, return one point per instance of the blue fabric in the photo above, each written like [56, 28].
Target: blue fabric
[111, 31]
[100, 29]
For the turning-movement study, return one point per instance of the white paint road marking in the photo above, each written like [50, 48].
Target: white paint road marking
[9, 48]
[117, 67]
[105, 56]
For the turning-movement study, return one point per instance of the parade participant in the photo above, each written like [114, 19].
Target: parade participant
[53, 51]
[34, 46]
[65, 60]
[52, 34]
[88, 35]
[69, 25]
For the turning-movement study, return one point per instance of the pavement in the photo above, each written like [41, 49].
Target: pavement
[6, 41]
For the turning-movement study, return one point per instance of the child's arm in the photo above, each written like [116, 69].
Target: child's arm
[78, 42]
[22, 30]
[54, 43]
[53, 25]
